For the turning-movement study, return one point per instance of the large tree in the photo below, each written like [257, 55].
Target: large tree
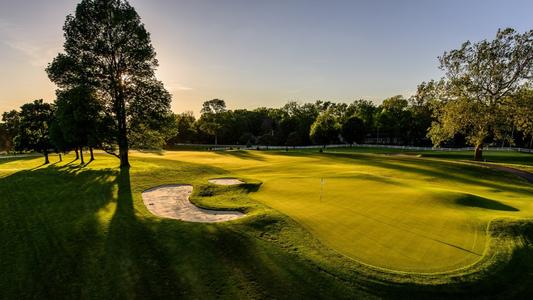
[479, 78]
[34, 130]
[107, 47]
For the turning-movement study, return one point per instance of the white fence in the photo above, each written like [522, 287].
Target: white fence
[19, 156]
[261, 147]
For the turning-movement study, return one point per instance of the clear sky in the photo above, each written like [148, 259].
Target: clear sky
[264, 53]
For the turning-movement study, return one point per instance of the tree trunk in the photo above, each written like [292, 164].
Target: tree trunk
[60, 156]
[478, 155]
[122, 132]
[216, 139]
[92, 154]
[531, 142]
[46, 161]
[81, 155]
[77, 154]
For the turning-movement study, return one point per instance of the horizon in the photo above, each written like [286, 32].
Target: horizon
[265, 54]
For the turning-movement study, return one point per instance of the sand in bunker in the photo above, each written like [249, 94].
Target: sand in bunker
[225, 181]
[172, 201]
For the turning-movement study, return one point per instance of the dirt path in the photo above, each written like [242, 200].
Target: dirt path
[524, 174]
[172, 201]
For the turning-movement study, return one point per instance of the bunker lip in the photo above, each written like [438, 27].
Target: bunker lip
[225, 181]
[172, 201]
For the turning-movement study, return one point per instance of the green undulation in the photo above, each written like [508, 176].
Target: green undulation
[335, 225]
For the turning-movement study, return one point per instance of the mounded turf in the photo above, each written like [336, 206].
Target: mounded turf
[398, 213]
[83, 232]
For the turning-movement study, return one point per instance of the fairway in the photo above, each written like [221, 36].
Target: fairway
[399, 213]
[315, 224]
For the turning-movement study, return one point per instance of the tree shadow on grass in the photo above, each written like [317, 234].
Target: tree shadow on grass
[135, 261]
[241, 154]
[461, 173]
[480, 202]
[48, 229]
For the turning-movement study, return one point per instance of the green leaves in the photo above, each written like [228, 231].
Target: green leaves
[108, 49]
[479, 78]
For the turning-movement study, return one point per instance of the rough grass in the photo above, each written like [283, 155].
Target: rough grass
[71, 232]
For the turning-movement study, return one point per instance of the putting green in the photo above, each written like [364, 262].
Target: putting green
[399, 213]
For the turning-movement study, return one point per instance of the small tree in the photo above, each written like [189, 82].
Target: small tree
[11, 125]
[33, 135]
[211, 119]
[353, 130]
[325, 129]
[185, 130]
[479, 78]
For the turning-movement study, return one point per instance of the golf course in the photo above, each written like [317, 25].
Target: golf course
[266, 149]
[341, 224]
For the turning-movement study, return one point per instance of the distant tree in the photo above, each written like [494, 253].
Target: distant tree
[185, 130]
[266, 140]
[299, 118]
[392, 118]
[293, 139]
[325, 129]
[421, 108]
[33, 134]
[11, 125]
[108, 47]
[520, 108]
[4, 139]
[211, 119]
[353, 130]
[247, 139]
[215, 106]
[479, 78]
[364, 110]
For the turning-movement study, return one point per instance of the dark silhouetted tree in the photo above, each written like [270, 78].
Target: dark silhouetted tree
[10, 125]
[353, 130]
[108, 48]
[33, 134]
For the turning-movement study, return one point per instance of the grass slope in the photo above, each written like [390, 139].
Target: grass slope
[398, 213]
[71, 232]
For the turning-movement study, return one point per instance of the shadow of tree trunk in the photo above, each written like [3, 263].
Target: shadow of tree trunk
[137, 265]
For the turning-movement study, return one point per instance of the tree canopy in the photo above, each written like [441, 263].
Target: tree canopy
[479, 76]
[108, 48]
[34, 128]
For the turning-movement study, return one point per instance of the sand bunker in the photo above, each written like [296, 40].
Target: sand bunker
[225, 181]
[172, 201]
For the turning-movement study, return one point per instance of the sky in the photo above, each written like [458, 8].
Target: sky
[255, 53]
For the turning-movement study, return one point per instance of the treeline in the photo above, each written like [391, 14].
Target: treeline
[396, 121]
[109, 98]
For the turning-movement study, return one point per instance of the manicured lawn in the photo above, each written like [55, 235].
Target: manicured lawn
[400, 213]
[318, 225]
